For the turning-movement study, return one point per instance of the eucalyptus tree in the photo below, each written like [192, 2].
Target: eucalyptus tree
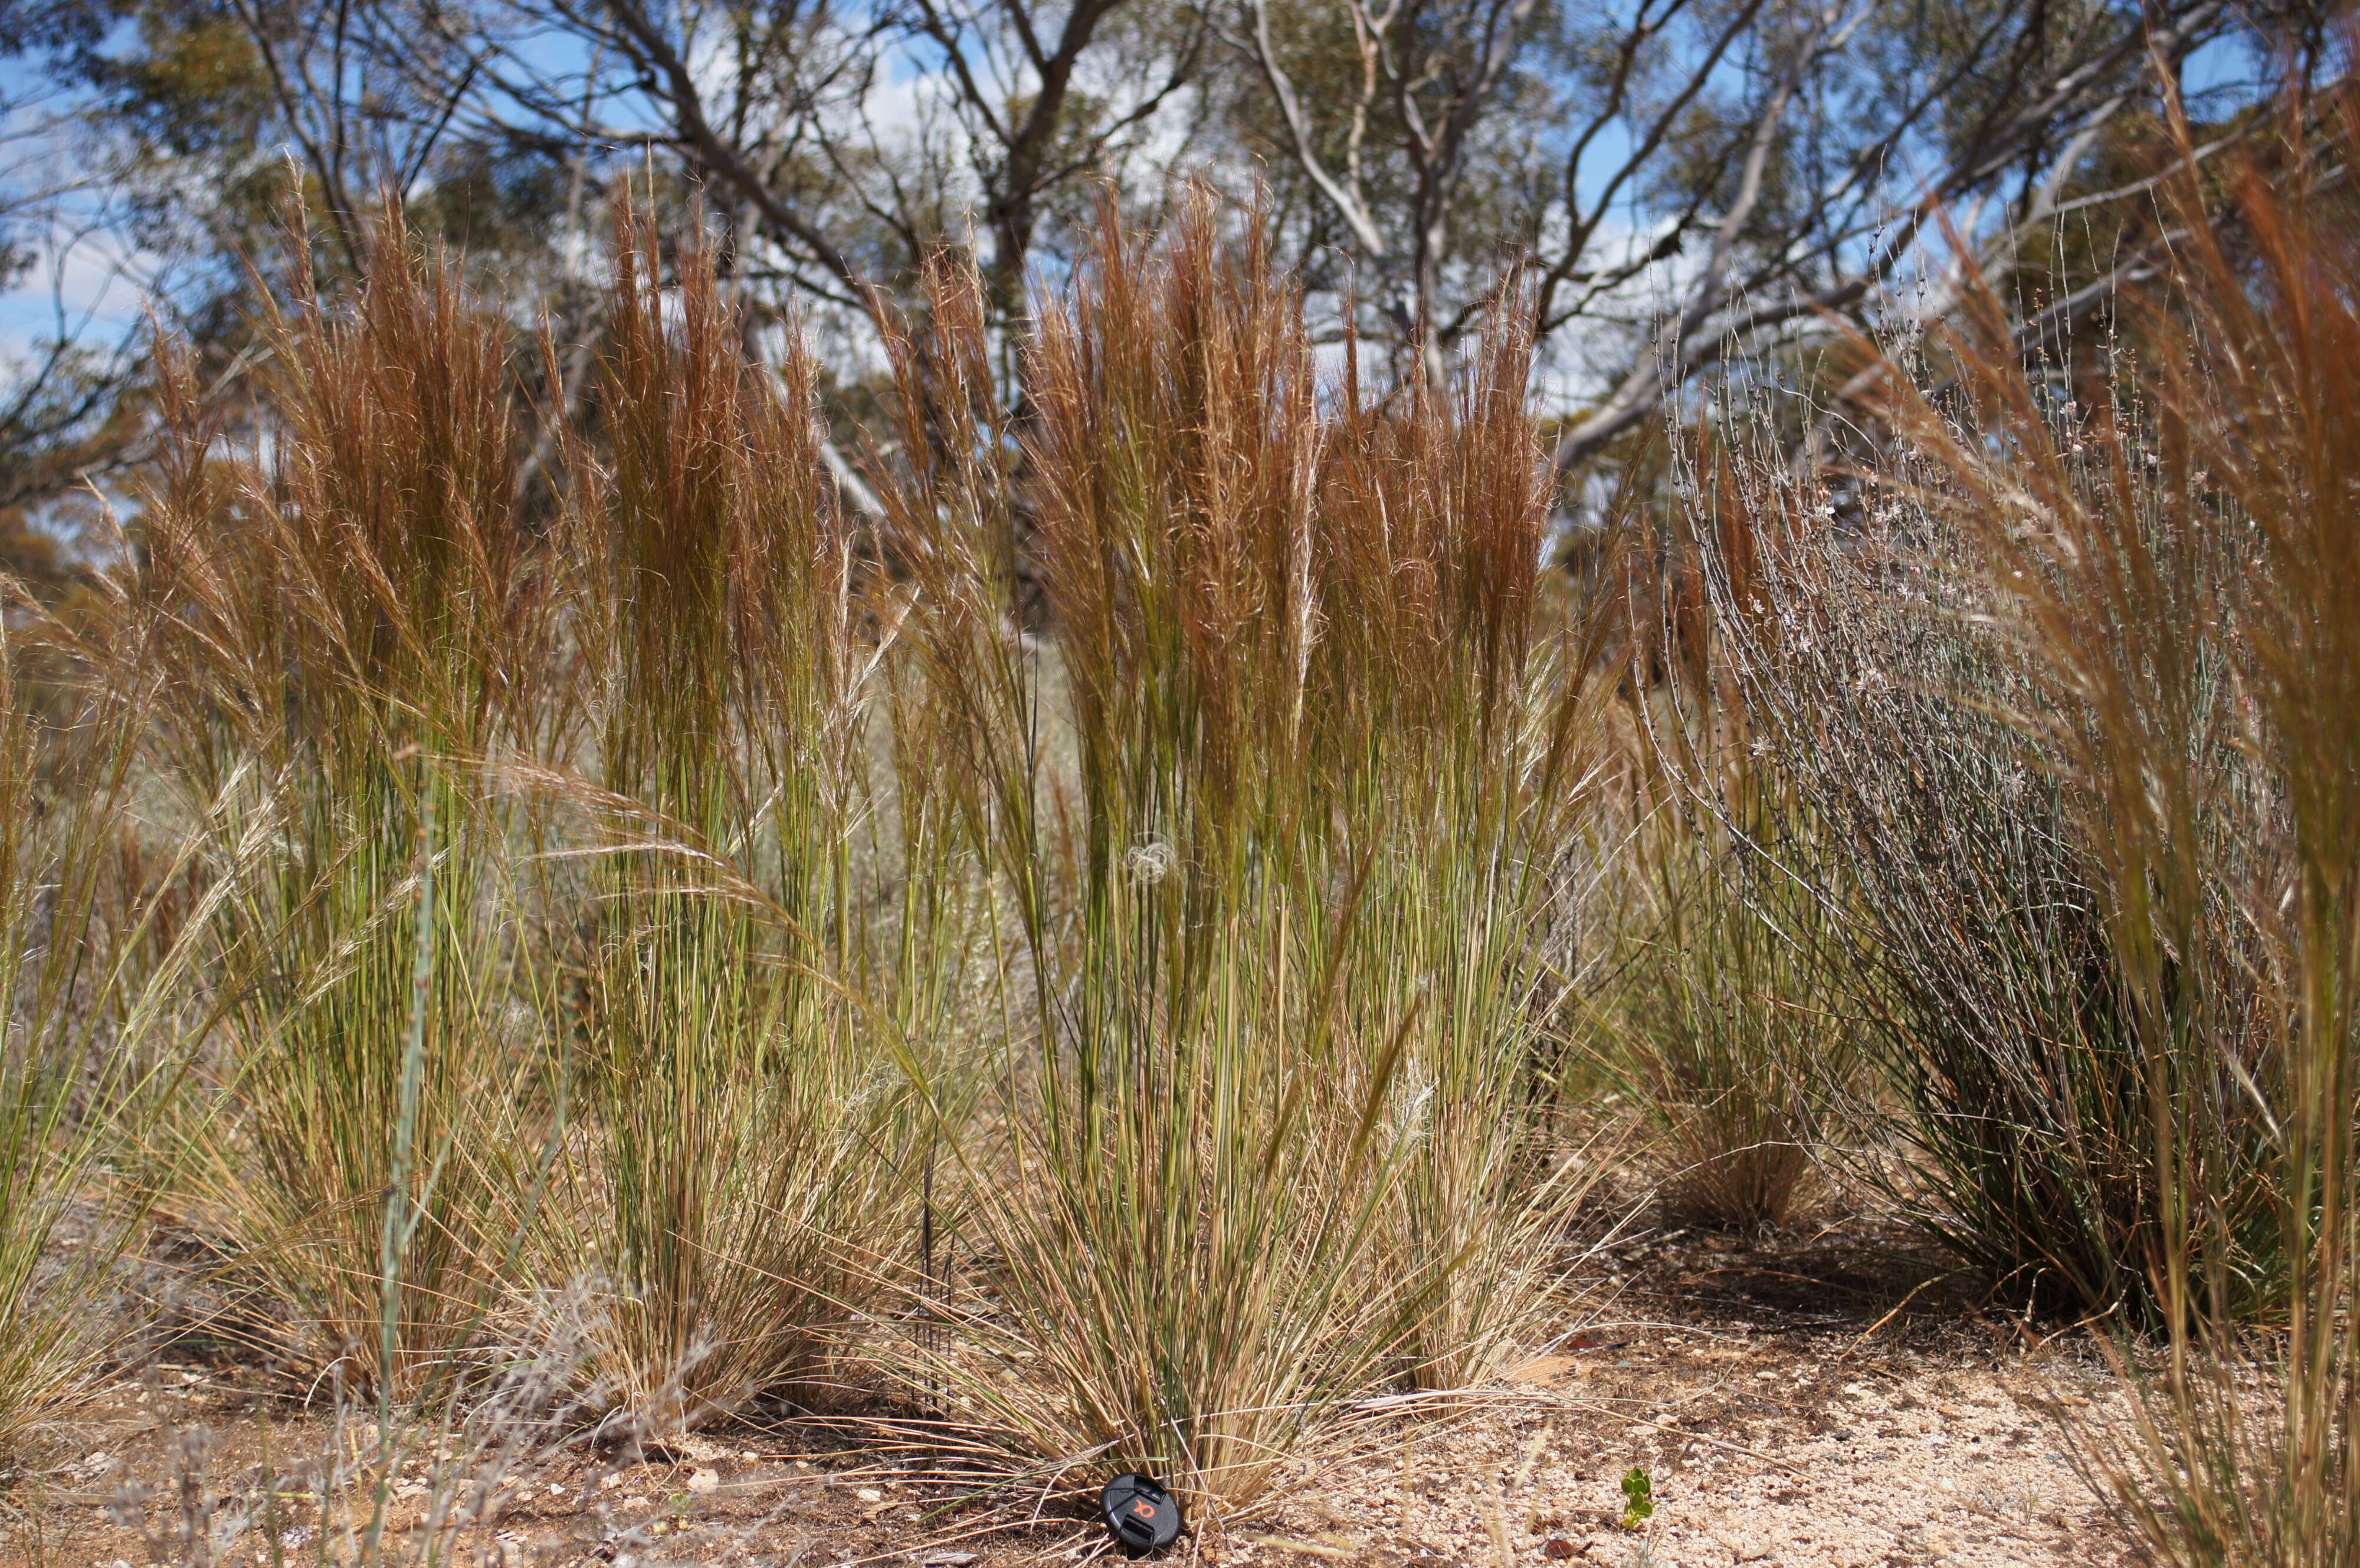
[1682, 181]
[65, 364]
[838, 145]
[1674, 185]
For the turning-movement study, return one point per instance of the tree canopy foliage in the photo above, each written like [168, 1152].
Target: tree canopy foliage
[1674, 188]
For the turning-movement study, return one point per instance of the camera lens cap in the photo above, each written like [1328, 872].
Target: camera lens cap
[1140, 1514]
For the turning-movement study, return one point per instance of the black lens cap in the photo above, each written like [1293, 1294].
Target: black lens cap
[1140, 1514]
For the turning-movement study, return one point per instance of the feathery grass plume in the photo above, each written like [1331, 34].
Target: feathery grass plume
[1274, 817]
[2176, 564]
[1184, 1212]
[349, 628]
[742, 1131]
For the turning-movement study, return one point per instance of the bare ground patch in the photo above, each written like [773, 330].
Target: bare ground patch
[1826, 1397]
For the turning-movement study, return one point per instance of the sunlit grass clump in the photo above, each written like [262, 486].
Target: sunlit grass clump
[1280, 830]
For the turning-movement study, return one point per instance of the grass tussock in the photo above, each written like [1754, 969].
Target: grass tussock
[1724, 1026]
[1722, 1010]
[338, 627]
[735, 1182]
[1274, 1144]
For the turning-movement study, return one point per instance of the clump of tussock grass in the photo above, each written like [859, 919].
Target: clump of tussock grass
[737, 1188]
[1722, 1010]
[348, 633]
[533, 844]
[1272, 1141]
[1720, 1024]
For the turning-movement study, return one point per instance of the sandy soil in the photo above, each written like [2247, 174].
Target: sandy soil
[1823, 1400]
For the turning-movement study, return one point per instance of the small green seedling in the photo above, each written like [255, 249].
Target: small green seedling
[1640, 1498]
